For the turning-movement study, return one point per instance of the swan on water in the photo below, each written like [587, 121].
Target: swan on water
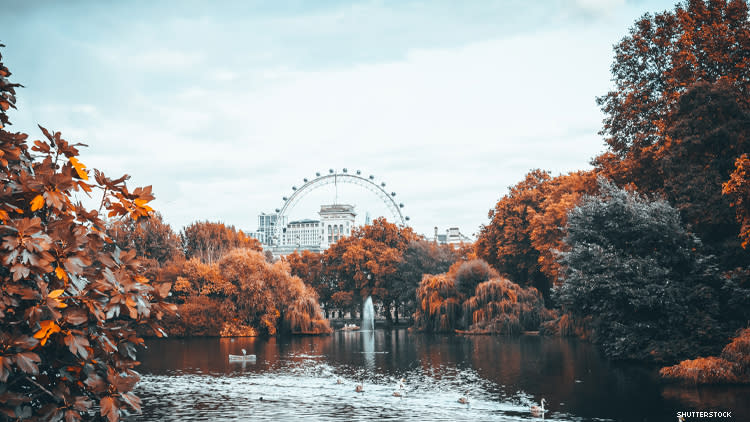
[538, 410]
[465, 398]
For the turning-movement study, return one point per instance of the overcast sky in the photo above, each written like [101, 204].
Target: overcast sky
[224, 106]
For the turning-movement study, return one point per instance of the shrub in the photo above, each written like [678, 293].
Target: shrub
[731, 367]
[500, 306]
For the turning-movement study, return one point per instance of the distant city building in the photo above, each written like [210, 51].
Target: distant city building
[452, 236]
[304, 234]
[336, 221]
[266, 226]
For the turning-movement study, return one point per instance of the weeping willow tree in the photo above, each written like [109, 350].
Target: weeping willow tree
[304, 316]
[500, 306]
[439, 304]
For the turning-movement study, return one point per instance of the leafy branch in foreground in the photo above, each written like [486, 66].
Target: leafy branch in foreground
[68, 305]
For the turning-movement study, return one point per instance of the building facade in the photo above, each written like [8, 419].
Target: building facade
[336, 222]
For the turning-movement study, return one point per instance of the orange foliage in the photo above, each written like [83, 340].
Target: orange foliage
[500, 306]
[210, 241]
[526, 227]
[439, 307]
[367, 264]
[70, 303]
[562, 194]
[268, 296]
[710, 370]
[732, 367]
[738, 189]
[567, 326]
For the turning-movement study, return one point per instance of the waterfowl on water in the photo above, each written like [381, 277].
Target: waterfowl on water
[400, 389]
[359, 388]
[465, 398]
[538, 410]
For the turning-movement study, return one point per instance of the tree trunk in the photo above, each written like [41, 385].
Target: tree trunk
[388, 316]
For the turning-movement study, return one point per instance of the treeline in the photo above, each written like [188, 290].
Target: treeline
[381, 260]
[223, 284]
[646, 253]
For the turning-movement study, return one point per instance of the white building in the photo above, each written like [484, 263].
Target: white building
[336, 221]
[266, 226]
[452, 236]
[304, 234]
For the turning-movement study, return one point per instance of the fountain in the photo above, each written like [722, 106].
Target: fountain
[368, 315]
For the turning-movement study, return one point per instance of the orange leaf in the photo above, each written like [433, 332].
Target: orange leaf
[37, 203]
[109, 409]
[61, 274]
[48, 328]
[80, 168]
[56, 293]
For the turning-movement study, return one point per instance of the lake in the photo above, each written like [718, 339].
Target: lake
[297, 378]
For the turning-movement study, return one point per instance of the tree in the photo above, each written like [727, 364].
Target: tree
[151, 238]
[309, 267]
[505, 243]
[268, 297]
[634, 269]
[662, 56]
[469, 274]
[561, 194]
[438, 304]
[69, 306]
[499, 306]
[421, 257]
[708, 132]
[210, 241]
[367, 263]
[737, 188]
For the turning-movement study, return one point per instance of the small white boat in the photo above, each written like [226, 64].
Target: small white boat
[350, 327]
[244, 357]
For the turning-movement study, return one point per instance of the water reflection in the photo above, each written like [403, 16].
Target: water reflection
[193, 380]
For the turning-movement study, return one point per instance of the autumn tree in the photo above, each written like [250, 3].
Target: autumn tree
[678, 116]
[525, 231]
[268, 297]
[420, 257]
[499, 306]
[737, 188]
[505, 243]
[308, 266]
[367, 264]
[69, 306]
[659, 60]
[438, 304]
[469, 274]
[547, 226]
[151, 238]
[210, 241]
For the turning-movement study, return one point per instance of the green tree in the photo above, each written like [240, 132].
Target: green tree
[641, 276]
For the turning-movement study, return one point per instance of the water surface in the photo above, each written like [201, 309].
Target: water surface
[297, 378]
